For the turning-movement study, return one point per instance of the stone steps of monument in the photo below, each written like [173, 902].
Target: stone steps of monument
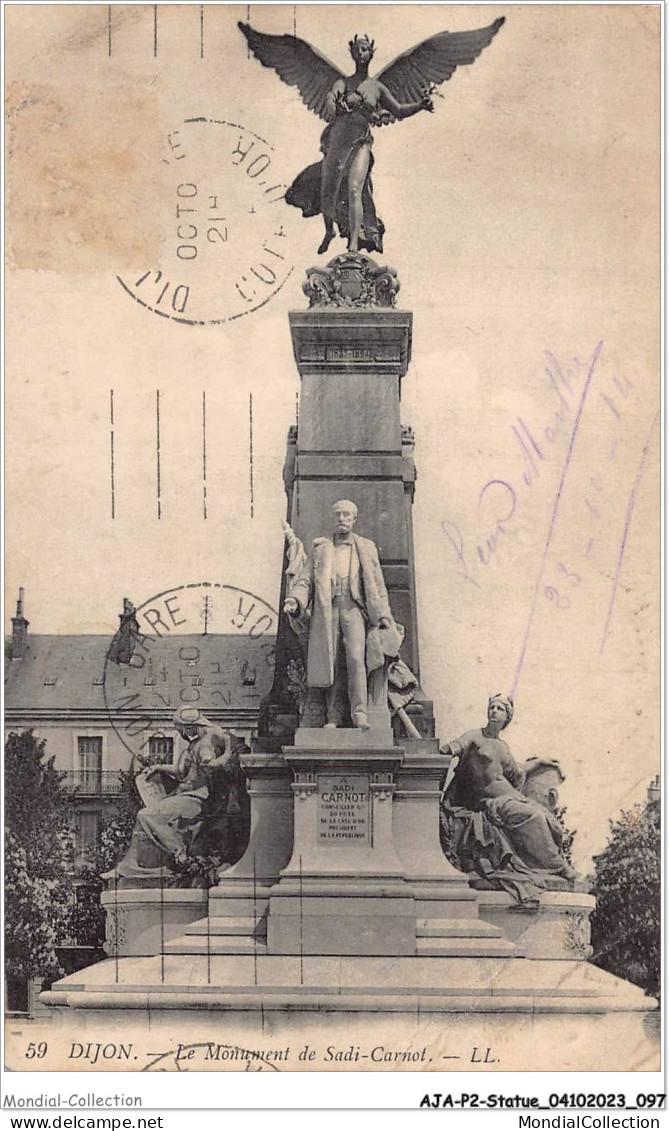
[216, 944]
[425, 948]
[486, 943]
[242, 934]
[456, 928]
[465, 948]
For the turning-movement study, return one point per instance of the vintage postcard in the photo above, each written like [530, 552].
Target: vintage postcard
[333, 439]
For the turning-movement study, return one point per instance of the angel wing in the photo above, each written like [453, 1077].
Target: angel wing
[434, 60]
[297, 63]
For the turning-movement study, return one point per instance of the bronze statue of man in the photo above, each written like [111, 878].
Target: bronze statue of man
[339, 587]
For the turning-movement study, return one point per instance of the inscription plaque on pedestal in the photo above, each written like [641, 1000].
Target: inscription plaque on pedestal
[343, 808]
[347, 353]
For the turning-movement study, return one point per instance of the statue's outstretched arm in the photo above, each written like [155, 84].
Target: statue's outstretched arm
[162, 768]
[458, 746]
[403, 110]
[289, 533]
[297, 556]
[298, 574]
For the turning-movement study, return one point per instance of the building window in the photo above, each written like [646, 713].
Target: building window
[162, 747]
[86, 836]
[90, 745]
[89, 749]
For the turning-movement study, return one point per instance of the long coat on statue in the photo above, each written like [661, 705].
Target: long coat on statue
[315, 587]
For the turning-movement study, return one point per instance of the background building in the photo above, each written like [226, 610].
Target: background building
[102, 701]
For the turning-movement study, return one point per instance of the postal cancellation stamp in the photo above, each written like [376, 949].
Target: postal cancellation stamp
[226, 251]
[141, 694]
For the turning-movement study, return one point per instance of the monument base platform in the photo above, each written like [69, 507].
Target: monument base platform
[417, 1014]
[557, 927]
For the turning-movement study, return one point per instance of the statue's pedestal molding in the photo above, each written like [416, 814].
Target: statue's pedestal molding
[557, 928]
[141, 921]
[446, 907]
[331, 741]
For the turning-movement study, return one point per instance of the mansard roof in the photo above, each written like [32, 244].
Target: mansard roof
[229, 672]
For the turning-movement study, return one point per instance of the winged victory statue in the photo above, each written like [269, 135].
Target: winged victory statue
[340, 186]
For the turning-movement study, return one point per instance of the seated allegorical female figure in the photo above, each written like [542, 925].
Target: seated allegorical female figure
[488, 825]
[182, 800]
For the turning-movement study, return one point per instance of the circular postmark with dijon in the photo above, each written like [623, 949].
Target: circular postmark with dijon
[226, 240]
[207, 645]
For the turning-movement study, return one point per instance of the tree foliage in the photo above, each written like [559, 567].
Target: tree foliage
[117, 824]
[87, 921]
[626, 920]
[568, 835]
[38, 856]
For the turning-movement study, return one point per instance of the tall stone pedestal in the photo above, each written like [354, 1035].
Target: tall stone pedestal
[344, 890]
[352, 349]
[367, 874]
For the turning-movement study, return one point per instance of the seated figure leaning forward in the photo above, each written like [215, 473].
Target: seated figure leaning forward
[488, 825]
[173, 814]
[337, 595]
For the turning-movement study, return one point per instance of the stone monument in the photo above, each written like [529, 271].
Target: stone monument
[344, 900]
[344, 856]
